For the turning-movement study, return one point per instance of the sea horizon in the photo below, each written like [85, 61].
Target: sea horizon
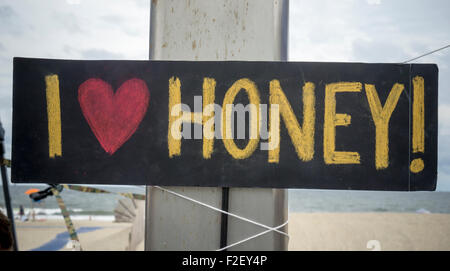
[94, 206]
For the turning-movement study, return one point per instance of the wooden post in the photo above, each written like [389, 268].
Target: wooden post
[216, 30]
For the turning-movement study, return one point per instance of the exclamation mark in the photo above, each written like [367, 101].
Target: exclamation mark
[418, 133]
[54, 116]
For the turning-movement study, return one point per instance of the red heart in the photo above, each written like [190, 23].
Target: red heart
[113, 117]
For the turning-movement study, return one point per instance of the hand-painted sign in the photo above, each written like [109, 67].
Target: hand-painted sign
[238, 124]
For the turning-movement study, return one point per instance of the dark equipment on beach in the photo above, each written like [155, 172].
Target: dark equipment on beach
[6, 188]
[46, 192]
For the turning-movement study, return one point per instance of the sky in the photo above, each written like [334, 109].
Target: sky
[374, 31]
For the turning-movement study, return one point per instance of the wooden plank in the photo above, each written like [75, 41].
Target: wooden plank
[331, 125]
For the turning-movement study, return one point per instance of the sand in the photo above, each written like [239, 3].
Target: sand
[308, 231]
[353, 231]
[110, 236]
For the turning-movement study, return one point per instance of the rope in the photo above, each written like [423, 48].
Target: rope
[70, 228]
[426, 54]
[254, 236]
[269, 229]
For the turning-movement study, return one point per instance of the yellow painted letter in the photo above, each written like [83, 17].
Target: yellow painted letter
[227, 112]
[332, 120]
[381, 116]
[177, 116]
[54, 116]
[418, 136]
[302, 138]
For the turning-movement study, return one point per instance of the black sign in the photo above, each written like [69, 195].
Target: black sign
[236, 124]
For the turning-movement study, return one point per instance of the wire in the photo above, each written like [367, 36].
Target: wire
[269, 229]
[429, 53]
[254, 236]
[220, 210]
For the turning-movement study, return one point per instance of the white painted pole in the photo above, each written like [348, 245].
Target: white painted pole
[216, 30]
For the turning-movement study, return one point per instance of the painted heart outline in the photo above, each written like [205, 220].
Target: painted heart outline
[113, 117]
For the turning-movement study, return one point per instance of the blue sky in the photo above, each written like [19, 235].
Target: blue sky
[319, 30]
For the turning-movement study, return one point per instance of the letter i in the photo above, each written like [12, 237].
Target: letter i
[53, 115]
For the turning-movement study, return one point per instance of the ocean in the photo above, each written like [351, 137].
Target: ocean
[83, 205]
[310, 201]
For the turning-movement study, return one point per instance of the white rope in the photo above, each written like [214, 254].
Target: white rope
[254, 236]
[269, 229]
[220, 210]
[429, 53]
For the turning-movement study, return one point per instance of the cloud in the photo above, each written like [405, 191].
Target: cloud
[373, 2]
[377, 51]
[69, 21]
[73, 2]
[321, 30]
[112, 19]
[8, 21]
[444, 120]
[6, 12]
[121, 23]
[101, 54]
[142, 3]
[443, 146]
[443, 183]
[67, 49]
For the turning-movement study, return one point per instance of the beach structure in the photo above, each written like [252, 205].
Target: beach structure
[125, 210]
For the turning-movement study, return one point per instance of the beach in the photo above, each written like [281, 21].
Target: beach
[93, 235]
[354, 231]
[308, 231]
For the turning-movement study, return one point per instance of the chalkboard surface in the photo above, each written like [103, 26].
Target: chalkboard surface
[234, 124]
